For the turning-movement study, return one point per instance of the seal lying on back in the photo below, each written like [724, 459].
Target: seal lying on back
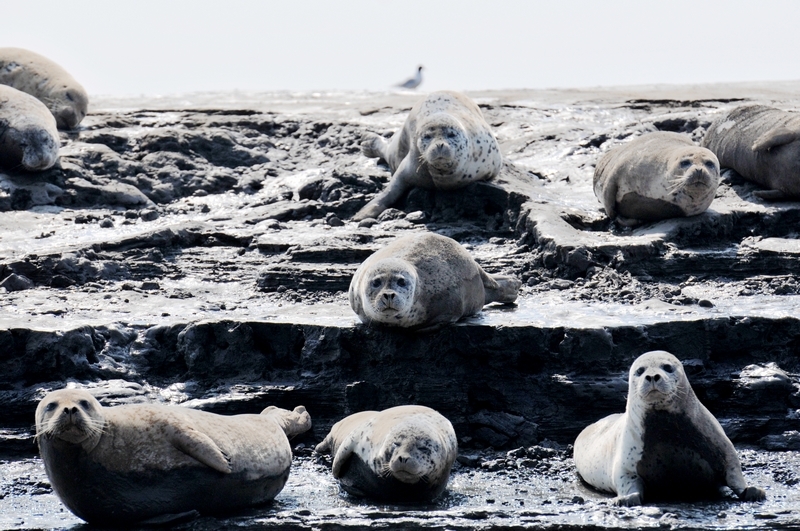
[763, 145]
[46, 81]
[28, 134]
[666, 445]
[132, 463]
[656, 176]
[399, 454]
[445, 144]
[424, 281]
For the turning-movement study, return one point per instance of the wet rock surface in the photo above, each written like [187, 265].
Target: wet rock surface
[197, 251]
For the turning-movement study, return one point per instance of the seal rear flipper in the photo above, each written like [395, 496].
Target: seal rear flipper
[752, 494]
[201, 447]
[291, 422]
[500, 288]
[772, 195]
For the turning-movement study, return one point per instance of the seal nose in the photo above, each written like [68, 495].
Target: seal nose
[402, 458]
[388, 296]
[71, 410]
[653, 378]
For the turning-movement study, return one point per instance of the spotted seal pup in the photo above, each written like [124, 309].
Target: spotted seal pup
[763, 145]
[445, 143]
[399, 454]
[28, 135]
[656, 176]
[46, 81]
[138, 463]
[666, 446]
[423, 281]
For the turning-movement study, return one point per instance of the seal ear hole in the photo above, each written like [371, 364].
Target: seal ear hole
[639, 371]
[668, 368]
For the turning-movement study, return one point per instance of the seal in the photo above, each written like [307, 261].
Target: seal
[763, 145]
[445, 143]
[656, 176]
[46, 81]
[666, 446]
[147, 463]
[400, 454]
[28, 133]
[424, 281]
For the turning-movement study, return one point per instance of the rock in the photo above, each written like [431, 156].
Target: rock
[15, 282]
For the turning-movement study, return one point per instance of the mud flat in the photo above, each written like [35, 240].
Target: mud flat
[196, 250]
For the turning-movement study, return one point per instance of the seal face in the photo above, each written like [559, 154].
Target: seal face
[423, 281]
[134, 463]
[404, 453]
[763, 145]
[28, 133]
[666, 445]
[46, 81]
[445, 143]
[656, 176]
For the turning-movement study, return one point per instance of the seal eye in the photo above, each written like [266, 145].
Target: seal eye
[668, 368]
[426, 137]
[710, 165]
[451, 134]
[84, 404]
[69, 97]
[51, 406]
[401, 282]
[376, 283]
[640, 371]
[685, 164]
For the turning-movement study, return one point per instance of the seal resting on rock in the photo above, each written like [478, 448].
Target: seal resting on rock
[666, 446]
[46, 81]
[656, 176]
[445, 143]
[28, 133]
[424, 281]
[763, 145]
[399, 454]
[136, 463]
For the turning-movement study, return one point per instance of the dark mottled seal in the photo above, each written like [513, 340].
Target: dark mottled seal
[763, 145]
[132, 463]
[28, 135]
[399, 454]
[656, 176]
[422, 281]
[666, 446]
[445, 143]
[46, 81]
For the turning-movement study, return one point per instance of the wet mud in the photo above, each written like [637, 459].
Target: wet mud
[197, 250]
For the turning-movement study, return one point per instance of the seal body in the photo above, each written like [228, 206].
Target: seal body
[46, 81]
[763, 145]
[656, 176]
[666, 446]
[423, 281]
[404, 453]
[28, 133]
[133, 463]
[445, 143]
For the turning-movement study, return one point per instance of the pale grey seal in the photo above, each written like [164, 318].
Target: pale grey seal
[402, 453]
[656, 176]
[666, 445]
[445, 143]
[28, 134]
[133, 463]
[763, 145]
[46, 81]
[424, 280]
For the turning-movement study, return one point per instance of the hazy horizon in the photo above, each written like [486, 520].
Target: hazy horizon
[154, 48]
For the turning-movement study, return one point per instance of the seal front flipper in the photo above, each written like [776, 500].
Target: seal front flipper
[398, 185]
[170, 519]
[776, 137]
[343, 454]
[374, 146]
[772, 195]
[199, 446]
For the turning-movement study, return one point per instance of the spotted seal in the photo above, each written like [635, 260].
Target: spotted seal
[46, 81]
[666, 445]
[399, 454]
[28, 134]
[445, 143]
[763, 145]
[424, 281]
[134, 463]
[656, 176]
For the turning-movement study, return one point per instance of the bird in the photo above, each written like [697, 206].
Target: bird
[413, 82]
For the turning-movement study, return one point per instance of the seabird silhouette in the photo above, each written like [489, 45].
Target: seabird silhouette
[413, 82]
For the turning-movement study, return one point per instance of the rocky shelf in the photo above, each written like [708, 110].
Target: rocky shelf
[196, 250]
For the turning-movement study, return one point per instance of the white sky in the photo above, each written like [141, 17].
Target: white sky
[171, 46]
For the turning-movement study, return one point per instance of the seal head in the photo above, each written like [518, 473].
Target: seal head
[442, 143]
[72, 416]
[389, 293]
